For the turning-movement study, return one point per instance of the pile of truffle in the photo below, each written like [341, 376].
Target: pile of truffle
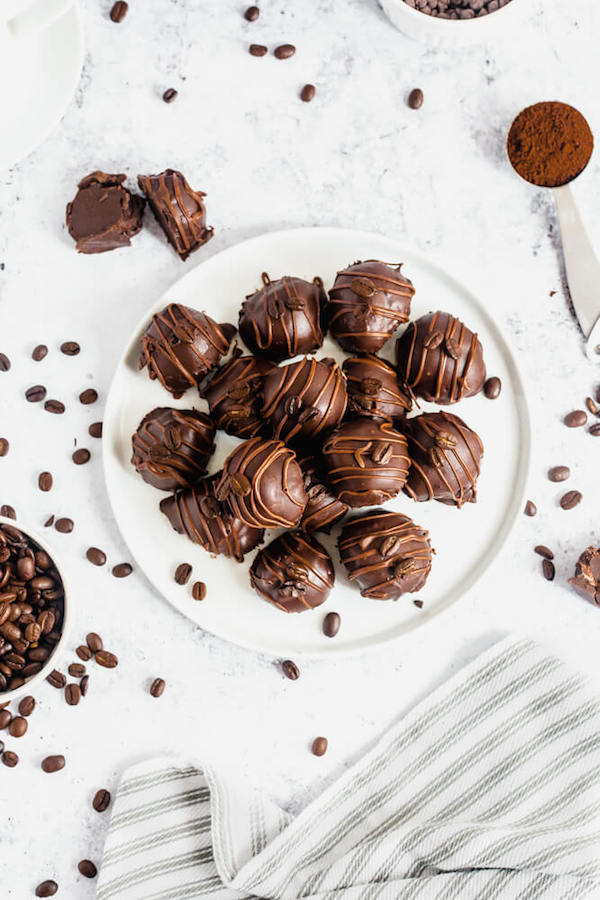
[316, 439]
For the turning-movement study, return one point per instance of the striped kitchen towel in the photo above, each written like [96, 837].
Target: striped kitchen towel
[488, 789]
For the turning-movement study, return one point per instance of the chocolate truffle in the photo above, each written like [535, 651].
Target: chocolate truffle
[262, 484]
[304, 399]
[234, 394]
[323, 508]
[373, 389]
[294, 572]
[366, 461]
[440, 359]
[366, 304]
[284, 318]
[181, 345]
[586, 579]
[104, 215]
[386, 554]
[171, 447]
[445, 459]
[179, 210]
[197, 513]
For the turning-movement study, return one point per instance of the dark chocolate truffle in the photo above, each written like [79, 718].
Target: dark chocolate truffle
[323, 508]
[373, 389]
[386, 554]
[234, 394]
[304, 399]
[197, 513]
[445, 459]
[181, 345]
[586, 579]
[366, 461]
[440, 359]
[104, 215]
[262, 484]
[171, 447]
[179, 210]
[284, 318]
[294, 572]
[367, 303]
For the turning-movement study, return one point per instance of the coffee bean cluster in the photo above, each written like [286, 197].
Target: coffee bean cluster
[457, 9]
[281, 51]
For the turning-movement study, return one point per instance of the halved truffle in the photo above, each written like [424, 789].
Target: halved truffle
[294, 572]
[179, 210]
[172, 447]
[104, 215]
[586, 579]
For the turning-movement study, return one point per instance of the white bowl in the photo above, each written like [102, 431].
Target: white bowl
[7, 696]
[435, 31]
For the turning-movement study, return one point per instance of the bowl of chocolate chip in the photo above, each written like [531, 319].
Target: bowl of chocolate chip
[33, 609]
[453, 21]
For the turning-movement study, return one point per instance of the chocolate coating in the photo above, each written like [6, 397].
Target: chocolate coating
[179, 210]
[304, 399]
[586, 579]
[181, 345]
[386, 554]
[366, 462]
[234, 394]
[284, 318]
[198, 514]
[294, 572]
[262, 484]
[440, 359]
[171, 447]
[323, 508]
[373, 389]
[103, 215]
[445, 459]
[367, 303]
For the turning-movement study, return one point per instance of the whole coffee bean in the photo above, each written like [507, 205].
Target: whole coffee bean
[94, 642]
[45, 481]
[54, 406]
[548, 569]
[575, 419]
[4, 362]
[10, 759]
[27, 706]
[252, 14]
[49, 522]
[182, 573]
[592, 406]
[36, 393]
[71, 348]
[72, 694]
[64, 525]
[81, 456]
[88, 396]
[87, 868]
[1, 747]
[77, 670]
[331, 624]
[418, 604]
[95, 556]
[95, 430]
[46, 889]
[170, 95]
[101, 800]
[199, 590]
[415, 98]
[257, 50]
[290, 669]
[4, 446]
[40, 352]
[157, 687]
[17, 727]
[26, 568]
[284, 51]
[559, 473]
[56, 679]
[319, 746]
[5, 718]
[492, 388]
[570, 499]
[51, 764]
[122, 570]
[107, 659]
[308, 92]
[595, 430]
[542, 550]
[119, 11]
[84, 652]
[84, 684]
[8, 511]
[530, 508]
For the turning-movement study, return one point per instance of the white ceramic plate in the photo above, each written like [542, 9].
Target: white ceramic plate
[466, 540]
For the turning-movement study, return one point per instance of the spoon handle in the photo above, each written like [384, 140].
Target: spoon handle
[582, 268]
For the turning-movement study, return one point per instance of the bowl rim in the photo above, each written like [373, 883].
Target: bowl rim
[437, 22]
[9, 696]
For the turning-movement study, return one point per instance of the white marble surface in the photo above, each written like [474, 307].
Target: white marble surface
[355, 156]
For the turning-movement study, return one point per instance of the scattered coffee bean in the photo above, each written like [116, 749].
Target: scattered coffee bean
[54, 406]
[88, 396]
[575, 419]
[415, 98]
[559, 473]
[542, 550]
[81, 456]
[51, 764]
[64, 525]
[36, 393]
[77, 670]
[182, 573]
[252, 14]
[94, 642]
[49, 522]
[157, 687]
[10, 759]
[45, 481]
[290, 670]
[592, 406]
[87, 868]
[72, 694]
[530, 508]
[26, 706]
[95, 556]
[492, 388]
[101, 800]
[5, 718]
[594, 430]
[18, 727]
[4, 446]
[308, 92]
[72, 348]
[4, 362]
[284, 51]
[570, 499]
[40, 352]
[548, 569]
[122, 570]
[170, 95]
[56, 679]
[418, 604]
[119, 11]
[84, 684]
[331, 624]
[199, 590]
[46, 889]
[319, 746]
[107, 659]
[8, 511]
[83, 652]
[257, 50]
[95, 430]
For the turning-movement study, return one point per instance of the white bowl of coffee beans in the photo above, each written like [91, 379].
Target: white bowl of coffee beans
[452, 21]
[33, 610]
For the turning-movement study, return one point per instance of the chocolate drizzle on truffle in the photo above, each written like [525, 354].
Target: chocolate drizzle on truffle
[179, 210]
[373, 389]
[284, 318]
[197, 513]
[366, 461]
[445, 459]
[104, 215]
[323, 509]
[440, 359]
[262, 484]
[386, 554]
[367, 303]
[234, 394]
[171, 447]
[304, 399]
[181, 345]
[294, 572]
